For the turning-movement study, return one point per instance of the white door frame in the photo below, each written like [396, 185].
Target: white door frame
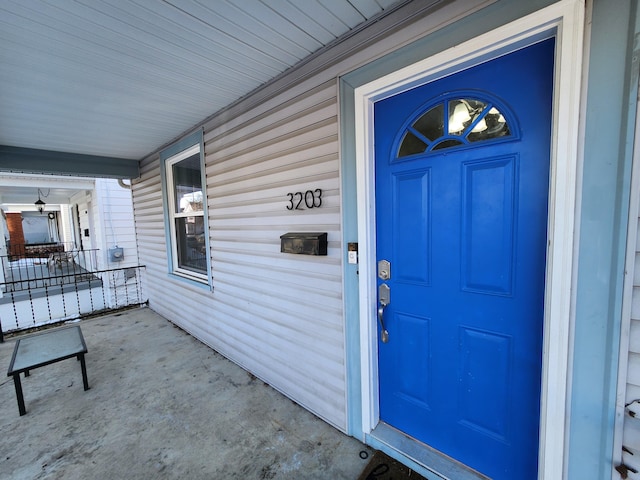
[565, 20]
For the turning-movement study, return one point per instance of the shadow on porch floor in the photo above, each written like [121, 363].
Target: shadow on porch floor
[161, 405]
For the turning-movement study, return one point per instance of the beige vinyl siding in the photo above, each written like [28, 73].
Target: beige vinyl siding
[284, 309]
[278, 315]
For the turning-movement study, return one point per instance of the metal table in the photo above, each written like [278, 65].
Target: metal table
[44, 349]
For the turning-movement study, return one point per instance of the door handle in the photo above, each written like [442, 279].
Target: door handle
[384, 298]
[384, 334]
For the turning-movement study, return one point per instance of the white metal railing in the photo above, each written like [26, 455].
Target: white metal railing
[70, 295]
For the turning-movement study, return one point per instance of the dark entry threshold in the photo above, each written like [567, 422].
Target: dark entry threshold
[383, 467]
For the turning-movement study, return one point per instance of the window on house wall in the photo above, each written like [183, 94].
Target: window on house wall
[40, 228]
[185, 209]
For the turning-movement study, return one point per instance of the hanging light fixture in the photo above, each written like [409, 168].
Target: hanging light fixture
[481, 126]
[459, 118]
[39, 203]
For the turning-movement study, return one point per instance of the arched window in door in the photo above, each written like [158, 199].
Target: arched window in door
[456, 120]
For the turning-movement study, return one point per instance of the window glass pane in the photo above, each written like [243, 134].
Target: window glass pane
[431, 124]
[447, 144]
[492, 125]
[462, 113]
[411, 145]
[190, 244]
[187, 182]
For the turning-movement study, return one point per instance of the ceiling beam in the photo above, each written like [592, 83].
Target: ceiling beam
[30, 160]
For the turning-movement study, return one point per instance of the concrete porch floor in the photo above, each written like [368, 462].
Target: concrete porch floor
[161, 405]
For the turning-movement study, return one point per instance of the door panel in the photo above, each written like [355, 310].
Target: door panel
[463, 224]
[485, 381]
[488, 208]
[413, 189]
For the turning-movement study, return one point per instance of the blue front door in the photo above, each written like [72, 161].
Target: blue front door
[462, 175]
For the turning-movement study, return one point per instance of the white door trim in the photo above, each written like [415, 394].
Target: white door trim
[565, 19]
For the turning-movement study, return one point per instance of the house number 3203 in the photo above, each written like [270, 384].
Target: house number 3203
[309, 199]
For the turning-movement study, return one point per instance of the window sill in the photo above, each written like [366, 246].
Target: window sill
[191, 280]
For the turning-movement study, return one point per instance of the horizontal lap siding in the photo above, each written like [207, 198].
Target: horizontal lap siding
[278, 315]
[115, 207]
[149, 222]
[282, 312]
[631, 432]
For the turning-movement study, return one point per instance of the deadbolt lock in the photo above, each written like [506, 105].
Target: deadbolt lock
[384, 270]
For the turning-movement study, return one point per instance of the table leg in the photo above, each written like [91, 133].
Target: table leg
[18, 385]
[83, 365]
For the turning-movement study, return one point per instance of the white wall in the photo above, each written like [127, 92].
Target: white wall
[18, 312]
[113, 205]
[68, 236]
[83, 201]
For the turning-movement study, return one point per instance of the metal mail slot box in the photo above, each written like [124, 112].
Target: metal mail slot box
[305, 243]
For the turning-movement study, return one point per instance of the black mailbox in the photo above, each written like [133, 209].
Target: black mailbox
[305, 243]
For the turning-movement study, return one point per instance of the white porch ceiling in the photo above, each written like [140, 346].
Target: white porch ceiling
[24, 189]
[121, 78]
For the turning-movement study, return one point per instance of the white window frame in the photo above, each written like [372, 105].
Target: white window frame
[172, 215]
